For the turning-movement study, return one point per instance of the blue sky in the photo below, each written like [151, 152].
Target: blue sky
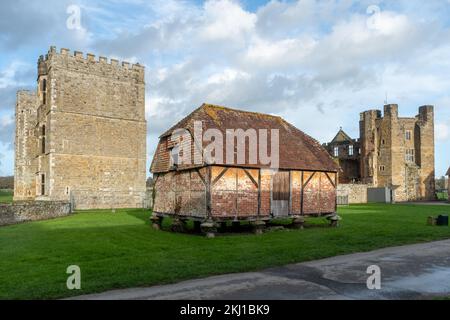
[318, 64]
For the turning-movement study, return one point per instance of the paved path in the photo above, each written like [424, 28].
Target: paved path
[409, 272]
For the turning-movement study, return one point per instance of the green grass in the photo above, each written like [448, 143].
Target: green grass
[442, 196]
[121, 250]
[6, 196]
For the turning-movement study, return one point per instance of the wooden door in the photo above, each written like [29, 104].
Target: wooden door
[281, 194]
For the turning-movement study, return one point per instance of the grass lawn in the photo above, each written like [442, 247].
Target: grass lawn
[121, 250]
[442, 196]
[6, 196]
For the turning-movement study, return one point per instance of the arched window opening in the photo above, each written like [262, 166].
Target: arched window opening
[44, 91]
[43, 140]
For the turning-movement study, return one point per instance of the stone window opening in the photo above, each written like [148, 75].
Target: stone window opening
[336, 151]
[44, 91]
[351, 150]
[382, 168]
[409, 156]
[408, 135]
[43, 140]
[42, 184]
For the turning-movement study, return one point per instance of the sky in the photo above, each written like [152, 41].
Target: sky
[317, 64]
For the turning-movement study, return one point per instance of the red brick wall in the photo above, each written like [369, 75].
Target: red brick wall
[183, 191]
[296, 191]
[235, 195]
[266, 185]
[319, 194]
[223, 193]
[327, 193]
[247, 193]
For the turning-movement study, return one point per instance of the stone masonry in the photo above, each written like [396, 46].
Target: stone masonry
[82, 135]
[25, 211]
[394, 152]
[399, 152]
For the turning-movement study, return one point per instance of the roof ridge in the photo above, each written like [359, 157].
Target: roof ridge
[209, 105]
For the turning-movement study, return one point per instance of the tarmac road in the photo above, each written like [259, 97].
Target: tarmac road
[419, 271]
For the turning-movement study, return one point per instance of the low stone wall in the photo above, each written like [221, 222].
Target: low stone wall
[357, 193]
[148, 200]
[19, 212]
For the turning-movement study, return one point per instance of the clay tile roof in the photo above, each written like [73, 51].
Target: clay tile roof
[297, 149]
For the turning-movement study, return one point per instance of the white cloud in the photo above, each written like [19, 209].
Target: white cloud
[442, 131]
[227, 75]
[9, 77]
[317, 63]
[226, 20]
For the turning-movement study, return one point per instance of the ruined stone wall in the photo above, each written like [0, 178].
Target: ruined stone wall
[399, 152]
[25, 146]
[369, 144]
[426, 152]
[93, 112]
[357, 193]
[24, 211]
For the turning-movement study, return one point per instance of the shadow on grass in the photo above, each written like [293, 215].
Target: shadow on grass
[246, 228]
[138, 215]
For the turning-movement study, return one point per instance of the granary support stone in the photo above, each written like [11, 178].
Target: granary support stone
[298, 222]
[156, 222]
[178, 224]
[209, 228]
[259, 226]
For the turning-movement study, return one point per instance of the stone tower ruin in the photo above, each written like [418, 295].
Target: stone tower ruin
[82, 135]
[392, 151]
[398, 152]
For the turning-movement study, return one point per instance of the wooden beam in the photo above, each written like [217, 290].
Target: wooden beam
[208, 192]
[309, 179]
[237, 194]
[331, 180]
[302, 194]
[200, 175]
[251, 178]
[219, 176]
[290, 193]
[320, 194]
[259, 192]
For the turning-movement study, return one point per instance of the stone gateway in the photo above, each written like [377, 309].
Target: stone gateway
[81, 136]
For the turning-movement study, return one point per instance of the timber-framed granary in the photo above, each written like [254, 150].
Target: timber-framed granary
[214, 192]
